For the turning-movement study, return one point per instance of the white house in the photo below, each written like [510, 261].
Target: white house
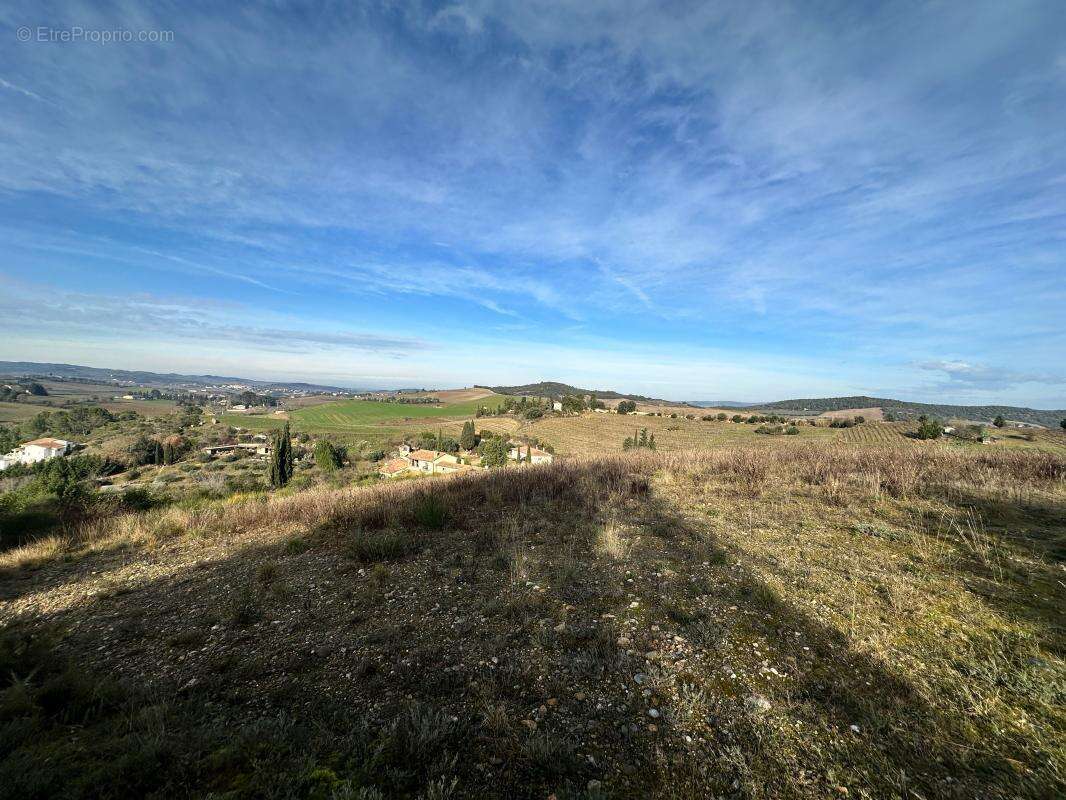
[527, 453]
[37, 450]
[422, 460]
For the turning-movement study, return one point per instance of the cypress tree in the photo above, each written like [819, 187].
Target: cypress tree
[467, 439]
[281, 462]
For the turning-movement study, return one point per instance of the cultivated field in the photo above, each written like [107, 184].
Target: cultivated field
[881, 433]
[358, 413]
[16, 412]
[377, 422]
[591, 433]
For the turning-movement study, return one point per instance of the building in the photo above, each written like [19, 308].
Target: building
[36, 451]
[259, 448]
[533, 455]
[394, 468]
[422, 460]
[433, 462]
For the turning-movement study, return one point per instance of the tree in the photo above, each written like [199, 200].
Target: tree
[281, 458]
[639, 439]
[58, 476]
[1063, 424]
[929, 429]
[626, 407]
[573, 404]
[493, 451]
[327, 457]
[999, 421]
[9, 441]
[468, 439]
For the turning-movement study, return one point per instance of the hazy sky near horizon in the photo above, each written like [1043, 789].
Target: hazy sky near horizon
[692, 200]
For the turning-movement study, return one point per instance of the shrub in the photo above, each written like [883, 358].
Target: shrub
[430, 511]
[771, 430]
[929, 429]
[327, 457]
[381, 545]
[139, 498]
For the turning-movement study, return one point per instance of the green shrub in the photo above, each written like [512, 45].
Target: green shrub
[139, 498]
[929, 429]
[430, 512]
[381, 545]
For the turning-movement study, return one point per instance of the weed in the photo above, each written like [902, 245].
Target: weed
[246, 606]
[430, 512]
[381, 545]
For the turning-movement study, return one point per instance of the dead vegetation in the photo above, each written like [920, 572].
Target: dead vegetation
[795, 623]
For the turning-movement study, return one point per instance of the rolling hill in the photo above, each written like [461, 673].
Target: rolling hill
[556, 389]
[143, 378]
[907, 410]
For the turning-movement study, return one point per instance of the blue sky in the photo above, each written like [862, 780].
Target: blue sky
[697, 200]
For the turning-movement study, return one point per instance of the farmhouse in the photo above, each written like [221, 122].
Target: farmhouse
[529, 453]
[35, 451]
[259, 448]
[428, 462]
[394, 468]
[422, 460]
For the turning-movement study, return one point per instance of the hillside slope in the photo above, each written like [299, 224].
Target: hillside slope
[803, 624]
[555, 389]
[907, 410]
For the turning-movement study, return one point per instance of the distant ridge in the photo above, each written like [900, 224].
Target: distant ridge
[556, 389]
[907, 410]
[720, 404]
[74, 371]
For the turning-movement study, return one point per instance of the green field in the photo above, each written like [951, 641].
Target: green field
[359, 413]
[16, 412]
[350, 421]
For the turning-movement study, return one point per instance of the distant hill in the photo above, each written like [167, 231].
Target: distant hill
[720, 404]
[78, 372]
[907, 410]
[556, 389]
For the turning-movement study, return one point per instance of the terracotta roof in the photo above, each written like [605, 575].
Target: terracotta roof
[54, 444]
[395, 465]
[424, 455]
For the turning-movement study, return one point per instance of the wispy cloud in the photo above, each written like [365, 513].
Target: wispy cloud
[106, 318]
[24, 92]
[985, 377]
[714, 176]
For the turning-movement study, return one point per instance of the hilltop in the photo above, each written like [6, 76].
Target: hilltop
[804, 623]
[555, 389]
[907, 410]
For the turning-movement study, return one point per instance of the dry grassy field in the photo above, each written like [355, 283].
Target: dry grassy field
[775, 624]
[594, 433]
